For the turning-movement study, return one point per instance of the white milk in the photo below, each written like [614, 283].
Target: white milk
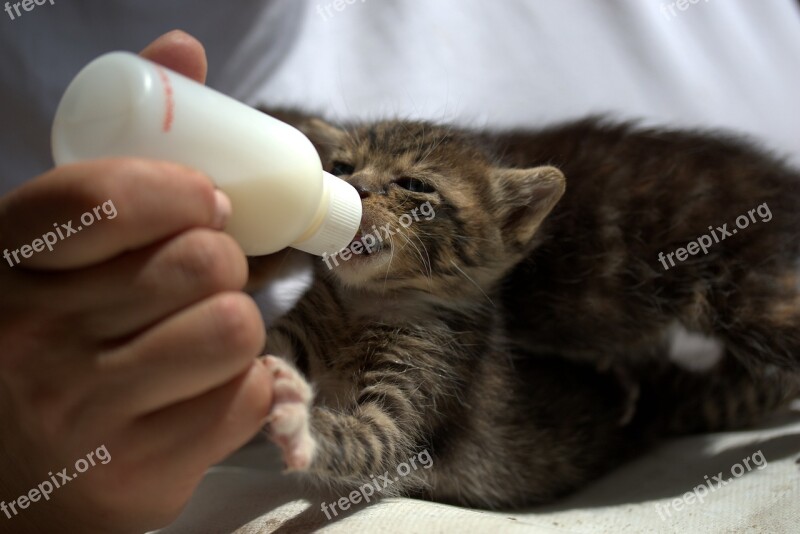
[123, 105]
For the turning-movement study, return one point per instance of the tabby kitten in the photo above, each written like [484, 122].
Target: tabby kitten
[477, 334]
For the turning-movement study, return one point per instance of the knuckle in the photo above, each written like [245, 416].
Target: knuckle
[194, 183]
[117, 178]
[146, 181]
[194, 180]
[207, 259]
[238, 324]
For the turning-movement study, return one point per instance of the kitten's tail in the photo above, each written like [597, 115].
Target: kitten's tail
[674, 401]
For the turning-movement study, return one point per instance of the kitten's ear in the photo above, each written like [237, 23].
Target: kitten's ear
[324, 136]
[523, 198]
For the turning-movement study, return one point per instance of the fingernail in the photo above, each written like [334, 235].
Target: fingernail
[222, 205]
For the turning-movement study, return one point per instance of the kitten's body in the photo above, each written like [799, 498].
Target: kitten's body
[395, 375]
[634, 195]
[476, 334]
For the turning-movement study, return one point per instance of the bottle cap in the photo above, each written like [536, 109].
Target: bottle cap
[341, 222]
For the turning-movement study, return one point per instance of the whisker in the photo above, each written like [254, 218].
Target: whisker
[473, 282]
[388, 265]
[425, 265]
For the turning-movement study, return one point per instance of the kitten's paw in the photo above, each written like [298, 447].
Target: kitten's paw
[289, 419]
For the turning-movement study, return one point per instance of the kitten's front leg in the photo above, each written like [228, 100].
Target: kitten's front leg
[289, 418]
[386, 425]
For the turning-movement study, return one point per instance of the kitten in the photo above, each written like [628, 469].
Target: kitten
[476, 334]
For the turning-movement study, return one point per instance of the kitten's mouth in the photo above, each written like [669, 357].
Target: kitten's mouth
[365, 245]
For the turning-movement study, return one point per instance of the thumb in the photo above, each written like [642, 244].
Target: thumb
[179, 51]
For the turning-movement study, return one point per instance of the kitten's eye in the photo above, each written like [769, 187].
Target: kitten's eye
[414, 185]
[342, 169]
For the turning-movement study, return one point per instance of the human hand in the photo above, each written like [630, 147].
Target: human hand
[130, 337]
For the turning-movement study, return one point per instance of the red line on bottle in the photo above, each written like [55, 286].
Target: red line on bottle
[169, 115]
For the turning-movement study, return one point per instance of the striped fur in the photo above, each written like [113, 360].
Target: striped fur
[481, 335]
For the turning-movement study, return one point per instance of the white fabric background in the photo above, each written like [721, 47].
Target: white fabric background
[720, 63]
[248, 495]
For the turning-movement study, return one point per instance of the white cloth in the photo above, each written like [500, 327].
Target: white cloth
[719, 63]
[716, 63]
[249, 495]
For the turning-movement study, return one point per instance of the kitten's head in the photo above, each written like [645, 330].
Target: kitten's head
[438, 214]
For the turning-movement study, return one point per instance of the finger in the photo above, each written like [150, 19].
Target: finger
[95, 210]
[190, 436]
[140, 288]
[187, 355]
[179, 51]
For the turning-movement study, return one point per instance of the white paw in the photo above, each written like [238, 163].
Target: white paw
[289, 419]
